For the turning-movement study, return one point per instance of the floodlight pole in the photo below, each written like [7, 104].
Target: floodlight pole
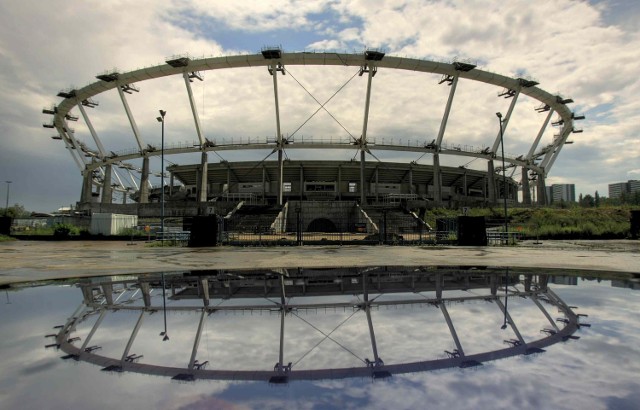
[504, 180]
[161, 119]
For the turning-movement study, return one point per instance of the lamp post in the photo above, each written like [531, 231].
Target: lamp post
[164, 310]
[506, 298]
[6, 208]
[504, 180]
[164, 287]
[161, 120]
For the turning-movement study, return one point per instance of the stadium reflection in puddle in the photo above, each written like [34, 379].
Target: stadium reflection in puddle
[306, 327]
[301, 310]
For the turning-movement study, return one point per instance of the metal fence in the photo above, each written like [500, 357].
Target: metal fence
[390, 232]
[234, 232]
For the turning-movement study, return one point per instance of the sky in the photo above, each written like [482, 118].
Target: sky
[588, 51]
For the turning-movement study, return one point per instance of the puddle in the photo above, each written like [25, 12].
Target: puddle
[374, 337]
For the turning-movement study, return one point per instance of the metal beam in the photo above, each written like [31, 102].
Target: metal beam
[204, 285]
[132, 121]
[132, 338]
[93, 330]
[196, 342]
[544, 311]
[70, 141]
[547, 166]
[532, 150]
[144, 182]
[447, 110]
[106, 185]
[511, 322]
[437, 180]
[452, 329]
[273, 69]
[505, 122]
[92, 130]
[194, 110]
[367, 309]
[283, 311]
[203, 188]
[526, 189]
[365, 124]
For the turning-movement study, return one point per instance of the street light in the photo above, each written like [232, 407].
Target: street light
[164, 310]
[161, 120]
[506, 298]
[6, 208]
[504, 180]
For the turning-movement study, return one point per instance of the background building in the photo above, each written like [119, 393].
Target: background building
[618, 189]
[561, 192]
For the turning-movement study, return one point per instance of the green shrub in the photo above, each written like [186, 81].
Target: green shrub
[64, 231]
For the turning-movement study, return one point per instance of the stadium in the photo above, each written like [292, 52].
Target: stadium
[333, 194]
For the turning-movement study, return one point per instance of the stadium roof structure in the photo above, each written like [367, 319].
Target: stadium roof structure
[96, 164]
[313, 323]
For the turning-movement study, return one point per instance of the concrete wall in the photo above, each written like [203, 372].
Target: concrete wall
[343, 214]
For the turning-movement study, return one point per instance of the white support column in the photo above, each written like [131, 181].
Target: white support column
[144, 182]
[367, 309]
[106, 185]
[204, 183]
[532, 150]
[447, 111]
[339, 182]
[542, 190]
[273, 69]
[437, 180]
[133, 180]
[93, 330]
[505, 122]
[465, 190]
[452, 329]
[87, 184]
[411, 190]
[194, 110]
[92, 130]
[132, 338]
[204, 287]
[301, 190]
[132, 121]
[74, 143]
[362, 182]
[196, 342]
[544, 311]
[526, 189]
[115, 174]
[145, 289]
[563, 138]
[283, 311]
[491, 175]
[370, 67]
[510, 321]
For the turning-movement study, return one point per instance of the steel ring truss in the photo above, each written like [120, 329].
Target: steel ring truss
[538, 160]
[258, 289]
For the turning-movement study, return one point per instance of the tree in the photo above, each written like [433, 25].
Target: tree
[588, 201]
[16, 211]
[597, 200]
[580, 200]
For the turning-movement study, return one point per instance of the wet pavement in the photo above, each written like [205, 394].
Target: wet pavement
[27, 261]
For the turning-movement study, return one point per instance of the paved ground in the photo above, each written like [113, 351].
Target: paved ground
[26, 261]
